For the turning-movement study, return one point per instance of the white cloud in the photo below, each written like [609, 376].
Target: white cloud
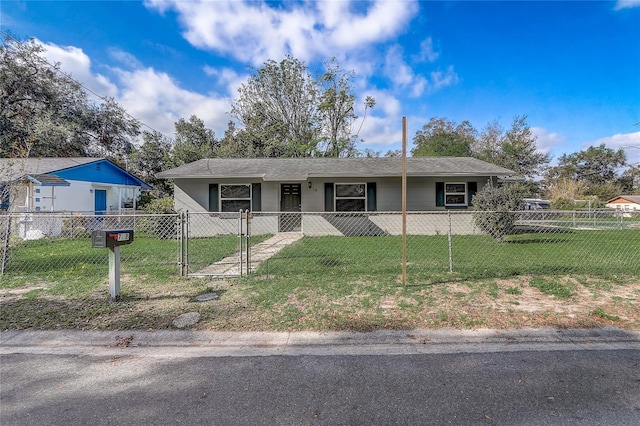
[125, 58]
[402, 75]
[441, 79]
[158, 101]
[152, 97]
[546, 141]
[253, 32]
[382, 128]
[426, 52]
[381, 133]
[77, 64]
[396, 69]
[226, 77]
[630, 142]
[626, 4]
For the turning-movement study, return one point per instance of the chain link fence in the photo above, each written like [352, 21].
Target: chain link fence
[440, 246]
[53, 246]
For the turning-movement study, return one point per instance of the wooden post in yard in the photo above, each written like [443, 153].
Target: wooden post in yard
[404, 201]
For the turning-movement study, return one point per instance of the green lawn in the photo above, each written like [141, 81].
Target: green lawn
[607, 253]
[73, 263]
[604, 253]
[558, 279]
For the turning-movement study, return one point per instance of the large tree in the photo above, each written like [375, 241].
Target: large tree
[278, 108]
[444, 138]
[514, 149]
[44, 112]
[152, 157]
[287, 112]
[193, 141]
[337, 113]
[597, 168]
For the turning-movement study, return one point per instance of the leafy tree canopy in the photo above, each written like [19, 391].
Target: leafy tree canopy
[597, 168]
[444, 138]
[44, 112]
[193, 141]
[287, 112]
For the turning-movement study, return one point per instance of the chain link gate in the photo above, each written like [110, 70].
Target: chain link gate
[215, 244]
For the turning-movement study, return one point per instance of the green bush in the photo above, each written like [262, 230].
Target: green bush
[498, 208]
[159, 206]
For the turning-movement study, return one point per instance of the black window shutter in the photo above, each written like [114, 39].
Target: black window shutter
[371, 197]
[472, 188]
[213, 197]
[256, 197]
[328, 197]
[439, 194]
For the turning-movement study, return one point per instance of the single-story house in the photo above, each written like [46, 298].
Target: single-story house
[290, 185]
[67, 184]
[625, 202]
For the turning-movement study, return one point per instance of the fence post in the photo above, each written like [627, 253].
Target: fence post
[187, 222]
[5, 248]
[240, 241]
[248, 241]
[182, 242]
[450, 243]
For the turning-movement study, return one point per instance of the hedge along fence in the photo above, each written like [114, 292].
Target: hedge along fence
[440, 245]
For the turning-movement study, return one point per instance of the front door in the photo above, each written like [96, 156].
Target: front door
[100, 201]
[290, 207]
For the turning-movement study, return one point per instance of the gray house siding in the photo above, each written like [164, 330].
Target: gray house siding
[193, 194]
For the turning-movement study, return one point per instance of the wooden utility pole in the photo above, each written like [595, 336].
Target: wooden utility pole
[404, 201]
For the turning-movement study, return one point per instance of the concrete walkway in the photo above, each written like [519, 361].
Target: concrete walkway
[230, 266]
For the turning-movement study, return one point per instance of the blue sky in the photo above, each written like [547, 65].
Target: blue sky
[572, 67]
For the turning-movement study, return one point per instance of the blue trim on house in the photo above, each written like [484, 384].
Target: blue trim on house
[101, 171]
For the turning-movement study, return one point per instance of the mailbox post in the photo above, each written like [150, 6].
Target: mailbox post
[112, 240]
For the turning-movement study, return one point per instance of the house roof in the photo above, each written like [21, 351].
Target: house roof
[47, 180]
[300, 169]
[14, 168]
[631, 198]
[46, 171]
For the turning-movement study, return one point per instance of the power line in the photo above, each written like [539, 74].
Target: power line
[87, 89]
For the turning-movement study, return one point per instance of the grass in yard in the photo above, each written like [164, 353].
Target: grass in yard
[72, 267]
[578, 279]
[602, 314]
[598, 253]
[552, 287]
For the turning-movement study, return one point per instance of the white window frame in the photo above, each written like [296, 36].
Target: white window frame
[336, 198]
[465, 194]
[124, 192]
[221, 198]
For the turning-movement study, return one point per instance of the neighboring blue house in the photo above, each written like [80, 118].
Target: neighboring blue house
[90, 185]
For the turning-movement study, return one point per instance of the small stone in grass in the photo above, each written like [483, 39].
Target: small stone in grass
[186, 320]
[206, 297]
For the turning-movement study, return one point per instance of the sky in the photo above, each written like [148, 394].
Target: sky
[573, 68]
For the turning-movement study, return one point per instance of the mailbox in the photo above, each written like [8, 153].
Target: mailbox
[112, 238]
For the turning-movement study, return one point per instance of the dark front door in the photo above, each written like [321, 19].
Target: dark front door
[290, 207]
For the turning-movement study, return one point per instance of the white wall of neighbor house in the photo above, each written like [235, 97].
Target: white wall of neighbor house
[77, 197]
[80, 197]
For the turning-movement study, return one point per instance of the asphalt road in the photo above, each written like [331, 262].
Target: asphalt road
[519, 385]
